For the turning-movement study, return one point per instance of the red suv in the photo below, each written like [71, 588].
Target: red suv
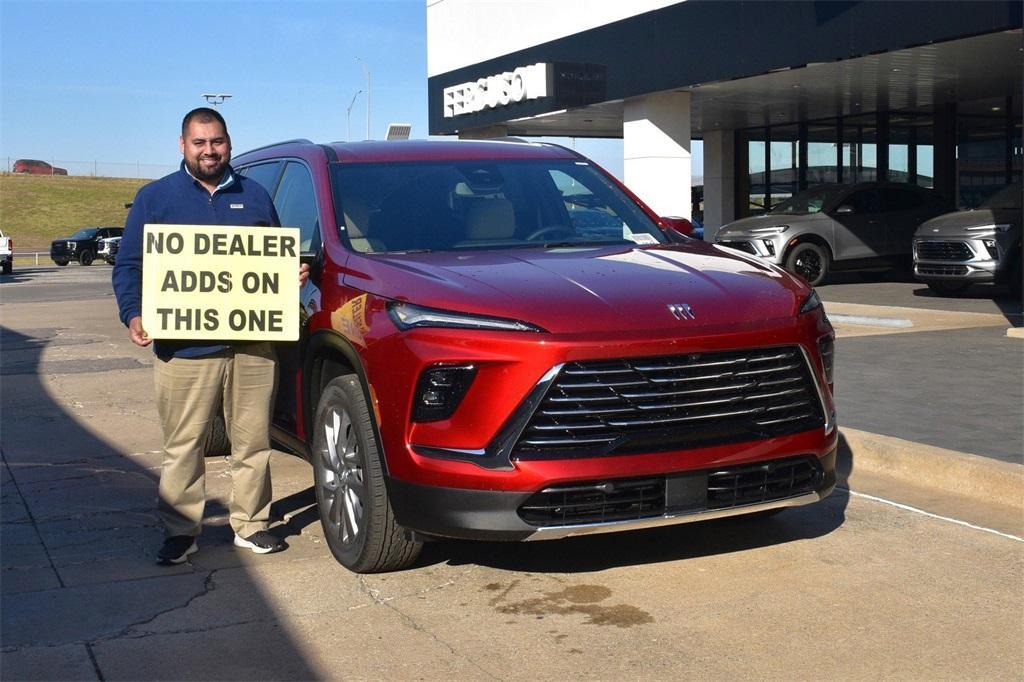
[33, 167]
[501, 342]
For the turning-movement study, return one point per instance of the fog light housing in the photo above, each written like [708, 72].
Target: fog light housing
[439, 391]
[770, 245]
[993, 251]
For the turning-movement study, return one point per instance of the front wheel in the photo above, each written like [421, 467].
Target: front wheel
[61, 263]
[355, 512]
[943, 288]
[809, 261]
[85, 258]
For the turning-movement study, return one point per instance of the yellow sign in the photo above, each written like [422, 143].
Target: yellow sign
[217, 283]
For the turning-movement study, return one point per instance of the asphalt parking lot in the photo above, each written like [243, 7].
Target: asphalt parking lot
[891, 576]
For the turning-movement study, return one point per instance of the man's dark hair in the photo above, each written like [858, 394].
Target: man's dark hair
[203, 115]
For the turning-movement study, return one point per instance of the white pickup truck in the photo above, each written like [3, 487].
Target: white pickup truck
[6, 253]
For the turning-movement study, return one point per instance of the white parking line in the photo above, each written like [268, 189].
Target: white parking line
[934, 516]
[869, 321]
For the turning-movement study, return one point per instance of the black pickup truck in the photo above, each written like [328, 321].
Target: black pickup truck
[82, 245]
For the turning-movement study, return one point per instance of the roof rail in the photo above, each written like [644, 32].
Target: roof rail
[277, 144]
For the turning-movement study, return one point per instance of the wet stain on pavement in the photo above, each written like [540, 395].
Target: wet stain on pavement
[576, 599]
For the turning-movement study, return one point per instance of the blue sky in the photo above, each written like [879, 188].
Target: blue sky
[92, 84]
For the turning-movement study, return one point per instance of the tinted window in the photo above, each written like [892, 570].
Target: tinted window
[455, 205]
[902, 199]
[264, 173]
[810, 200]
[296, 203]
[865, 201]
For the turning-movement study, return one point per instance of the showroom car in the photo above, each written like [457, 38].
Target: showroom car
[82, 246]
[977, 246]
[473, 363]
[840, 226]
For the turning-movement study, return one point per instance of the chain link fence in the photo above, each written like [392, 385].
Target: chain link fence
[96, 169]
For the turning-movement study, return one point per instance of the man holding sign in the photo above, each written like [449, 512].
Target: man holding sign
[210, 300]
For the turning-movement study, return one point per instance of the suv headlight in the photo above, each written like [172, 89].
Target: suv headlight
[72, 246]
[810, 303]
[774, 229]
[406, 316]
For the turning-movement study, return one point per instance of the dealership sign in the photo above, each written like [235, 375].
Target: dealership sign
[499, 90]
[220, 283]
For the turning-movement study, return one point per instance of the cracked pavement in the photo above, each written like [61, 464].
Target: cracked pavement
[848, 588]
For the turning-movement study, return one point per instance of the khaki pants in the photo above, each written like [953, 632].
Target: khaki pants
[189, 392]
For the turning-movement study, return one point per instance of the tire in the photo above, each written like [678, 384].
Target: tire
[809, 261]
[946, 288]
[217, 442]
[8, 267]
[61, 263]
[85, 258]
[355, 512]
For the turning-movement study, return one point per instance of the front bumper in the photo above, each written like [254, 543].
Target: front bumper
[681, 497]
[768, 248]
[964, 259]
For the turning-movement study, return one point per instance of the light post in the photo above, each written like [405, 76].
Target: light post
[348, 117]
[215, 99]
[368, 95]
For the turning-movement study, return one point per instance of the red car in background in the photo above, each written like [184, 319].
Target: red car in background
[34, 167]
[500, 342]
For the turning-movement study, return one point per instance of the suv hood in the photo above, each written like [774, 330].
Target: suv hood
[607, 289]
[956, 224]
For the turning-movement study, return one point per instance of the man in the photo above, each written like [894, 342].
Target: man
[195, 378]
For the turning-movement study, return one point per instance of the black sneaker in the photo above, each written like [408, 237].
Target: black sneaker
[261, 542]
[176, 550]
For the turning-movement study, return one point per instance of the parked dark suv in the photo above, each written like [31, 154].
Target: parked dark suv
[482, 357]
[82, 245]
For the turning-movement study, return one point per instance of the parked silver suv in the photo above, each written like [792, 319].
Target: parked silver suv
[829, 227]
[983, 244]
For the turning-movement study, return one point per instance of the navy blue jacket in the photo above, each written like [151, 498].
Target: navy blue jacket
[179, 199]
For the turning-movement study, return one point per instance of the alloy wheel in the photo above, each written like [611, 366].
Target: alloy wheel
[343, 486]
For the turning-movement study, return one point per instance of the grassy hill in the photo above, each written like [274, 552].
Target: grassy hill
[36, 209]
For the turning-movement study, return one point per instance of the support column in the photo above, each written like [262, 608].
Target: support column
[656, 151]
[719, 181]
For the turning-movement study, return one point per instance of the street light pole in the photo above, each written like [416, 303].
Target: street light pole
[348, 117]
[215, 99]
[369, 97]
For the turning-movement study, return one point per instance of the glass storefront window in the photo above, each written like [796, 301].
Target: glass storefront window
[758, 191]
[981, 150]
[860, 153]
[911, 154]
[784, 160]
[821, 153]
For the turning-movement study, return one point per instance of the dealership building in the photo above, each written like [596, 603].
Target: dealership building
[783, 95]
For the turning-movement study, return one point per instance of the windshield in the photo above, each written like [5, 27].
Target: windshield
[86, 233]
[811, 200]
[1007, 197]
[463, 205]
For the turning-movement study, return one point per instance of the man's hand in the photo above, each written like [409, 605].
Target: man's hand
[303, 273]
[137, 334]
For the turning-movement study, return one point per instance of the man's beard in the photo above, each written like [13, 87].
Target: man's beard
[213, 175]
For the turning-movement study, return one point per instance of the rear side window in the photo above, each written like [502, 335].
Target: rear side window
[265, 174]
[296, 204]
[865, 201]
[902, 200]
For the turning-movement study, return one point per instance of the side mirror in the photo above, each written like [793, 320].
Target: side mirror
[845, 209]
[315, 260]
[677, 224]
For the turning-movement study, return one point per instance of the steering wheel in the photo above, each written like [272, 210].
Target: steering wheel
[560, 230]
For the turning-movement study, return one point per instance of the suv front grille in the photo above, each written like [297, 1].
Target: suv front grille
[668, 403]
[941, 270]
[689, 493]
[938, 250]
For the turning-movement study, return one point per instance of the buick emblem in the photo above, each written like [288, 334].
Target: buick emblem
[682, 311]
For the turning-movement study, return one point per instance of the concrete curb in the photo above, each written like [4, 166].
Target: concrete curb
[1015, 332]
[950, 471]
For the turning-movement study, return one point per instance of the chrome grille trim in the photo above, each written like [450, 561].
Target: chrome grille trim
[759, 393]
